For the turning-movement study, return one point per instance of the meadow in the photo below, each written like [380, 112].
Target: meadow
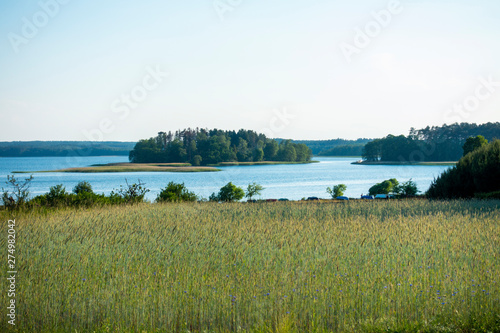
[383, 266]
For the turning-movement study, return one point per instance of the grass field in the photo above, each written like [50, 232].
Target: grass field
[385, 266]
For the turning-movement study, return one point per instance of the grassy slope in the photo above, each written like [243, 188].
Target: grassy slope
[282, 267]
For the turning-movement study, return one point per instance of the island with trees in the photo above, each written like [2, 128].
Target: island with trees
[216, 147]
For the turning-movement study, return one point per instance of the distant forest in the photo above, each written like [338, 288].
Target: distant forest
[203, 147]
[64, 148]
[335, 147]
[430, 144]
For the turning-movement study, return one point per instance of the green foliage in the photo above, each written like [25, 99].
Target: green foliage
[408, 188]
[131, 193]
[337, 190]
[429, 144]
[474, 143]
[197, 159]
[253, 190]
[354, 149]
[204, 147]
[57, 195]
[228, 193]
[476, 172]
[175, 193]
[385, 187]
[83, 187]
[19, 193]
[83, 196]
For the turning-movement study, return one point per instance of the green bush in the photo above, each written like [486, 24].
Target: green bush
[18, 195]
[253, 190]
[228, 193]
[175, 193]
[385, 187]
[408, 189]
[337, 190]
[83, 196]
[83, 187]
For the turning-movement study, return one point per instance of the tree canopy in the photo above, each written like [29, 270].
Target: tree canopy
[474, 142]
[445, 143]
[202, 147]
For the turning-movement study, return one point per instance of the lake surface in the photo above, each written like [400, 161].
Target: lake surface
[280, 181]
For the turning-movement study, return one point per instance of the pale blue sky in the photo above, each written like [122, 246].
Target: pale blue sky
[263, 57]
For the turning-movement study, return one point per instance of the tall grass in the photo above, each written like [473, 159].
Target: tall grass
[276, 267]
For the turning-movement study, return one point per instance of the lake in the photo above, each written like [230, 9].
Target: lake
[280, 181]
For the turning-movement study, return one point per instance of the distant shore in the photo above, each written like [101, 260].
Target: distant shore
[257, 163]
[158, 167]
[404, 163]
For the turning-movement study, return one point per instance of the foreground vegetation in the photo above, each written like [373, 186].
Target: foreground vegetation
[383, 266]
[477, 174]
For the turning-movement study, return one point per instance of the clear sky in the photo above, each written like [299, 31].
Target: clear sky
[301, 69]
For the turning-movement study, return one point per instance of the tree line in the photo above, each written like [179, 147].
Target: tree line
[477, 174]
[64, 148]
[335, 147]
[430, 144]
[204, 147]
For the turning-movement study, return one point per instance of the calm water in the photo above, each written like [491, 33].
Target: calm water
[280, 181]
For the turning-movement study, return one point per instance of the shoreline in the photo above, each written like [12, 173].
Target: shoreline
[132, 167]
[222, 164]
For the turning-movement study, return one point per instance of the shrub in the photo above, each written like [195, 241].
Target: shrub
[131, 193]
[83, 187]
[337, 190]
[253, 190]
[385, 187]
[408, 188]
[18, 195]
[228, 193]
[57, 196]
[175, 193]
